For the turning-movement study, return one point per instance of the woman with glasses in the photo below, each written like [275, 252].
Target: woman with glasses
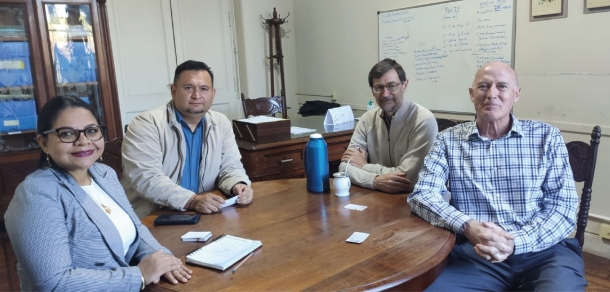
[70, 223]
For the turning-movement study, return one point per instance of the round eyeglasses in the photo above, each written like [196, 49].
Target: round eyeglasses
[392, 86]
[71, 135]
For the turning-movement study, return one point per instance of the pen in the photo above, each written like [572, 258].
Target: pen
[243, 261]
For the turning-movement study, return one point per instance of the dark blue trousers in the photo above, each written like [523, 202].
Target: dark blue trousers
[558, 268]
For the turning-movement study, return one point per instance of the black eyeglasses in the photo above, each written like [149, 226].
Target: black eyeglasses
[71, 135]
[392, 86]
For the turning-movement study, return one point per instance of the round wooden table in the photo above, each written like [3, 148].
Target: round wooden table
[304, 247]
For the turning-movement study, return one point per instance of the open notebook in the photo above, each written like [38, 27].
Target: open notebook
[223, 252]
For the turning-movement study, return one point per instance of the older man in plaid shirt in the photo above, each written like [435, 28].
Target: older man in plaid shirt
[513, 200]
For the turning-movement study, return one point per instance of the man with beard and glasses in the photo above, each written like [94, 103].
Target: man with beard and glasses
[389, 143]
[174, 154]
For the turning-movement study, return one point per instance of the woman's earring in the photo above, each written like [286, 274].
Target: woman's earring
[48, 161]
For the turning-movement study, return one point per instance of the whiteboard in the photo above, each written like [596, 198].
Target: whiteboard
[441, 46]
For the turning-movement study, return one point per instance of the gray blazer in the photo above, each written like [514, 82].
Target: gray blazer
[65, 242]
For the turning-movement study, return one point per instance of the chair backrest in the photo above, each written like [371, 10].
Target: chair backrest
[445, 124]
[582, 160]
[112, 156]
[264, 106]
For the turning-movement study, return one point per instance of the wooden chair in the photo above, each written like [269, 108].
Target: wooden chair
[582, 160]
[264, 106]
[445, 124]
[112, 156]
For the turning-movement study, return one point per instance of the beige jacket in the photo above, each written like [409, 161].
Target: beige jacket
[153, 159]
[412, 134]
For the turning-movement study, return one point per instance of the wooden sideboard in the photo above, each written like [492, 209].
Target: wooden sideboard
[284, 159]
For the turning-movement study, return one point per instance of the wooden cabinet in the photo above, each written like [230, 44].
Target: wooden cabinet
[49, 48]
[285, 159]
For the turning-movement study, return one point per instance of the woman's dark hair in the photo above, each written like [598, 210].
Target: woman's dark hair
[49, 113]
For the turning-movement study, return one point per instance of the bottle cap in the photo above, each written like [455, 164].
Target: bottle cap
[315, 136]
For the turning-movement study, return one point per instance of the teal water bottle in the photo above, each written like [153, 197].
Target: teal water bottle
[316, 164]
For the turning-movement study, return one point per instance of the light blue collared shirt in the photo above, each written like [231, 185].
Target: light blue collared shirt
[521, 181]
[194, 146]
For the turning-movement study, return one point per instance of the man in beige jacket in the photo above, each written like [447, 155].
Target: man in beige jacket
[174, 154]
[389, 143]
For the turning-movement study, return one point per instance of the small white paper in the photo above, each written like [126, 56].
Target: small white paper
[355, 207]
[229, 202]
[339, 127]
[357, 237]
[298, 130]
[260, 119]
[198, 236]
[339, 115]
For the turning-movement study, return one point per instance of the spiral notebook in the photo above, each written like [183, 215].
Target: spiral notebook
[223, 252]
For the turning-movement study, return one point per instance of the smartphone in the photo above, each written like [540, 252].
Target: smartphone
[177, 219]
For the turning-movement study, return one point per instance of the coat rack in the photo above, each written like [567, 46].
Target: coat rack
[273, 25]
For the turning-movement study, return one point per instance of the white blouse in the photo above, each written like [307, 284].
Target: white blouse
[117, 215]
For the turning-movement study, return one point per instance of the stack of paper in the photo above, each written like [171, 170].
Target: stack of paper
[197, 236]
[299, 130]
[260, 119]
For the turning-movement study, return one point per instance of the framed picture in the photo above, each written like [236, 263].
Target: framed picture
[548, 9]
[592, 6]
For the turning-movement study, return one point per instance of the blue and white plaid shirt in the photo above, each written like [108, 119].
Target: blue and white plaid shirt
[522, 182]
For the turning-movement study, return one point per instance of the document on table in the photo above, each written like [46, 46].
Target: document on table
[298, 130]
[357, 237]
[223, 252]
[355, 207]
[260, 119]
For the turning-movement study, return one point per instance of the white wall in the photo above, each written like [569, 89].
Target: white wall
[563, 67]
[337, 46]
[562, 64]
[330, 45]
[253, 48]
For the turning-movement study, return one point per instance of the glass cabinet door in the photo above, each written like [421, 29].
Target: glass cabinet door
[17, 94]
[72, 46]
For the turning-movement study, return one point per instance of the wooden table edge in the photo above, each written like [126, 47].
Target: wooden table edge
[422, 279]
